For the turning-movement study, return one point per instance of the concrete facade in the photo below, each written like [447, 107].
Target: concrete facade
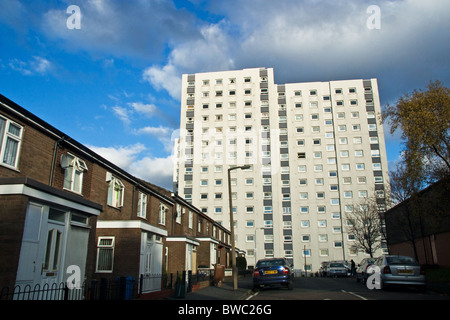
[315, 150]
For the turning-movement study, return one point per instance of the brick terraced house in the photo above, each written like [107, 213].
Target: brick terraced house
[64, 206]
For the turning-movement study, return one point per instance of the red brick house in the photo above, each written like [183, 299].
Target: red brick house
[197, 240]
[420, 226]
[47, 216]
[63, 205]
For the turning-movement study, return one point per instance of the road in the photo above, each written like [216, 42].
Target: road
[342, 289]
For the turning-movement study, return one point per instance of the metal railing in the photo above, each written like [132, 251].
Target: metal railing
[104, 289]
[41, 292]
[121, 288]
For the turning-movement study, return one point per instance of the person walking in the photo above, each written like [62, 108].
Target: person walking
[353, 267]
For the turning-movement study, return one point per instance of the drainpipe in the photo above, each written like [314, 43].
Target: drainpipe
[55, 149]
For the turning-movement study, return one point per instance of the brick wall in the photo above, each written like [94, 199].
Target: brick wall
[126, 252]
[177, 256]
[36, 153]
[430, 250]
[203, 254]
[12, 218]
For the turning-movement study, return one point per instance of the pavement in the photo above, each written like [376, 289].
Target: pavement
[223, 292]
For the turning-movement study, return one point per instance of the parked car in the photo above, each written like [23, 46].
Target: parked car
[337, 269]
[400, 270]
[361, 270]
[271, 272]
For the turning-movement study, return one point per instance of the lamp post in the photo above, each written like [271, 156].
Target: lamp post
[233, 249]
[256, 259]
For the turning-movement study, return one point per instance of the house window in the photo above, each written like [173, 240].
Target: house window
[191, 220]
[178, 213]
[105, 254]
[73, 174]
[162, 214]
[142, 205]
[115, 191]
[10, 140]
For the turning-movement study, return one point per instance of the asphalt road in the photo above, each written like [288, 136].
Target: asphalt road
[342, 289]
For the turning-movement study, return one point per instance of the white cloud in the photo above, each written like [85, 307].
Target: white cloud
[317, 41]
[166, 77]
[123, 114]
[125, 28]
[133, 111]
[38, 65]
[133, 160]
[146, 109]
[20, 66]
[158, 171]
[155, 131]
[163, 134]
[121, 156]
[209, 53]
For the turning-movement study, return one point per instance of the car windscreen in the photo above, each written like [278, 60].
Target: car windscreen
[269, 263]
[336, 265]
[399, 260]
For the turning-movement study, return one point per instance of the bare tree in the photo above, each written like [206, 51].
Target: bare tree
[366, 225]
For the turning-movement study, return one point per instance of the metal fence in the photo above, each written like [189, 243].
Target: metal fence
[104, 289]
[41, 292]
[122, 288]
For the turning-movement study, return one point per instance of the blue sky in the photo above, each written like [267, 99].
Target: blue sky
[114, 84]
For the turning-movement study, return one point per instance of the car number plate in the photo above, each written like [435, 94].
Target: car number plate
[405, 271]
[271, 272]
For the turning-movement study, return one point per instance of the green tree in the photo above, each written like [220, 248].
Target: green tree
[424, 120]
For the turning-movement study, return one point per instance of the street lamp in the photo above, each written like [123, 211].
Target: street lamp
[233, 249]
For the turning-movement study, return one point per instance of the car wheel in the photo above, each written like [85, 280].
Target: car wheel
[290, 286]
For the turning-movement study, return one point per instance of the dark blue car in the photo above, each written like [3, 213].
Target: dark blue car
[271, 272]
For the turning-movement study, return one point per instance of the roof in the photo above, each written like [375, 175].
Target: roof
[33, 120]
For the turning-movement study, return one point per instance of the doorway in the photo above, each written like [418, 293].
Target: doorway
[151, 263]
[43, 248]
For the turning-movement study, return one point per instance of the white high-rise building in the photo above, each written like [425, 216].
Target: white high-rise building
[315, 150]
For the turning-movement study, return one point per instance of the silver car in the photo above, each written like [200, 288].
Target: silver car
[400, 270]
[337, 269]
[361, 270]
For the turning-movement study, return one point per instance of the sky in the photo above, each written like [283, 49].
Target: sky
[108, 72]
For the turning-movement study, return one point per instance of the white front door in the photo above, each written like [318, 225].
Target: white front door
[51, 264]
[151, 265]
[43, 248]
